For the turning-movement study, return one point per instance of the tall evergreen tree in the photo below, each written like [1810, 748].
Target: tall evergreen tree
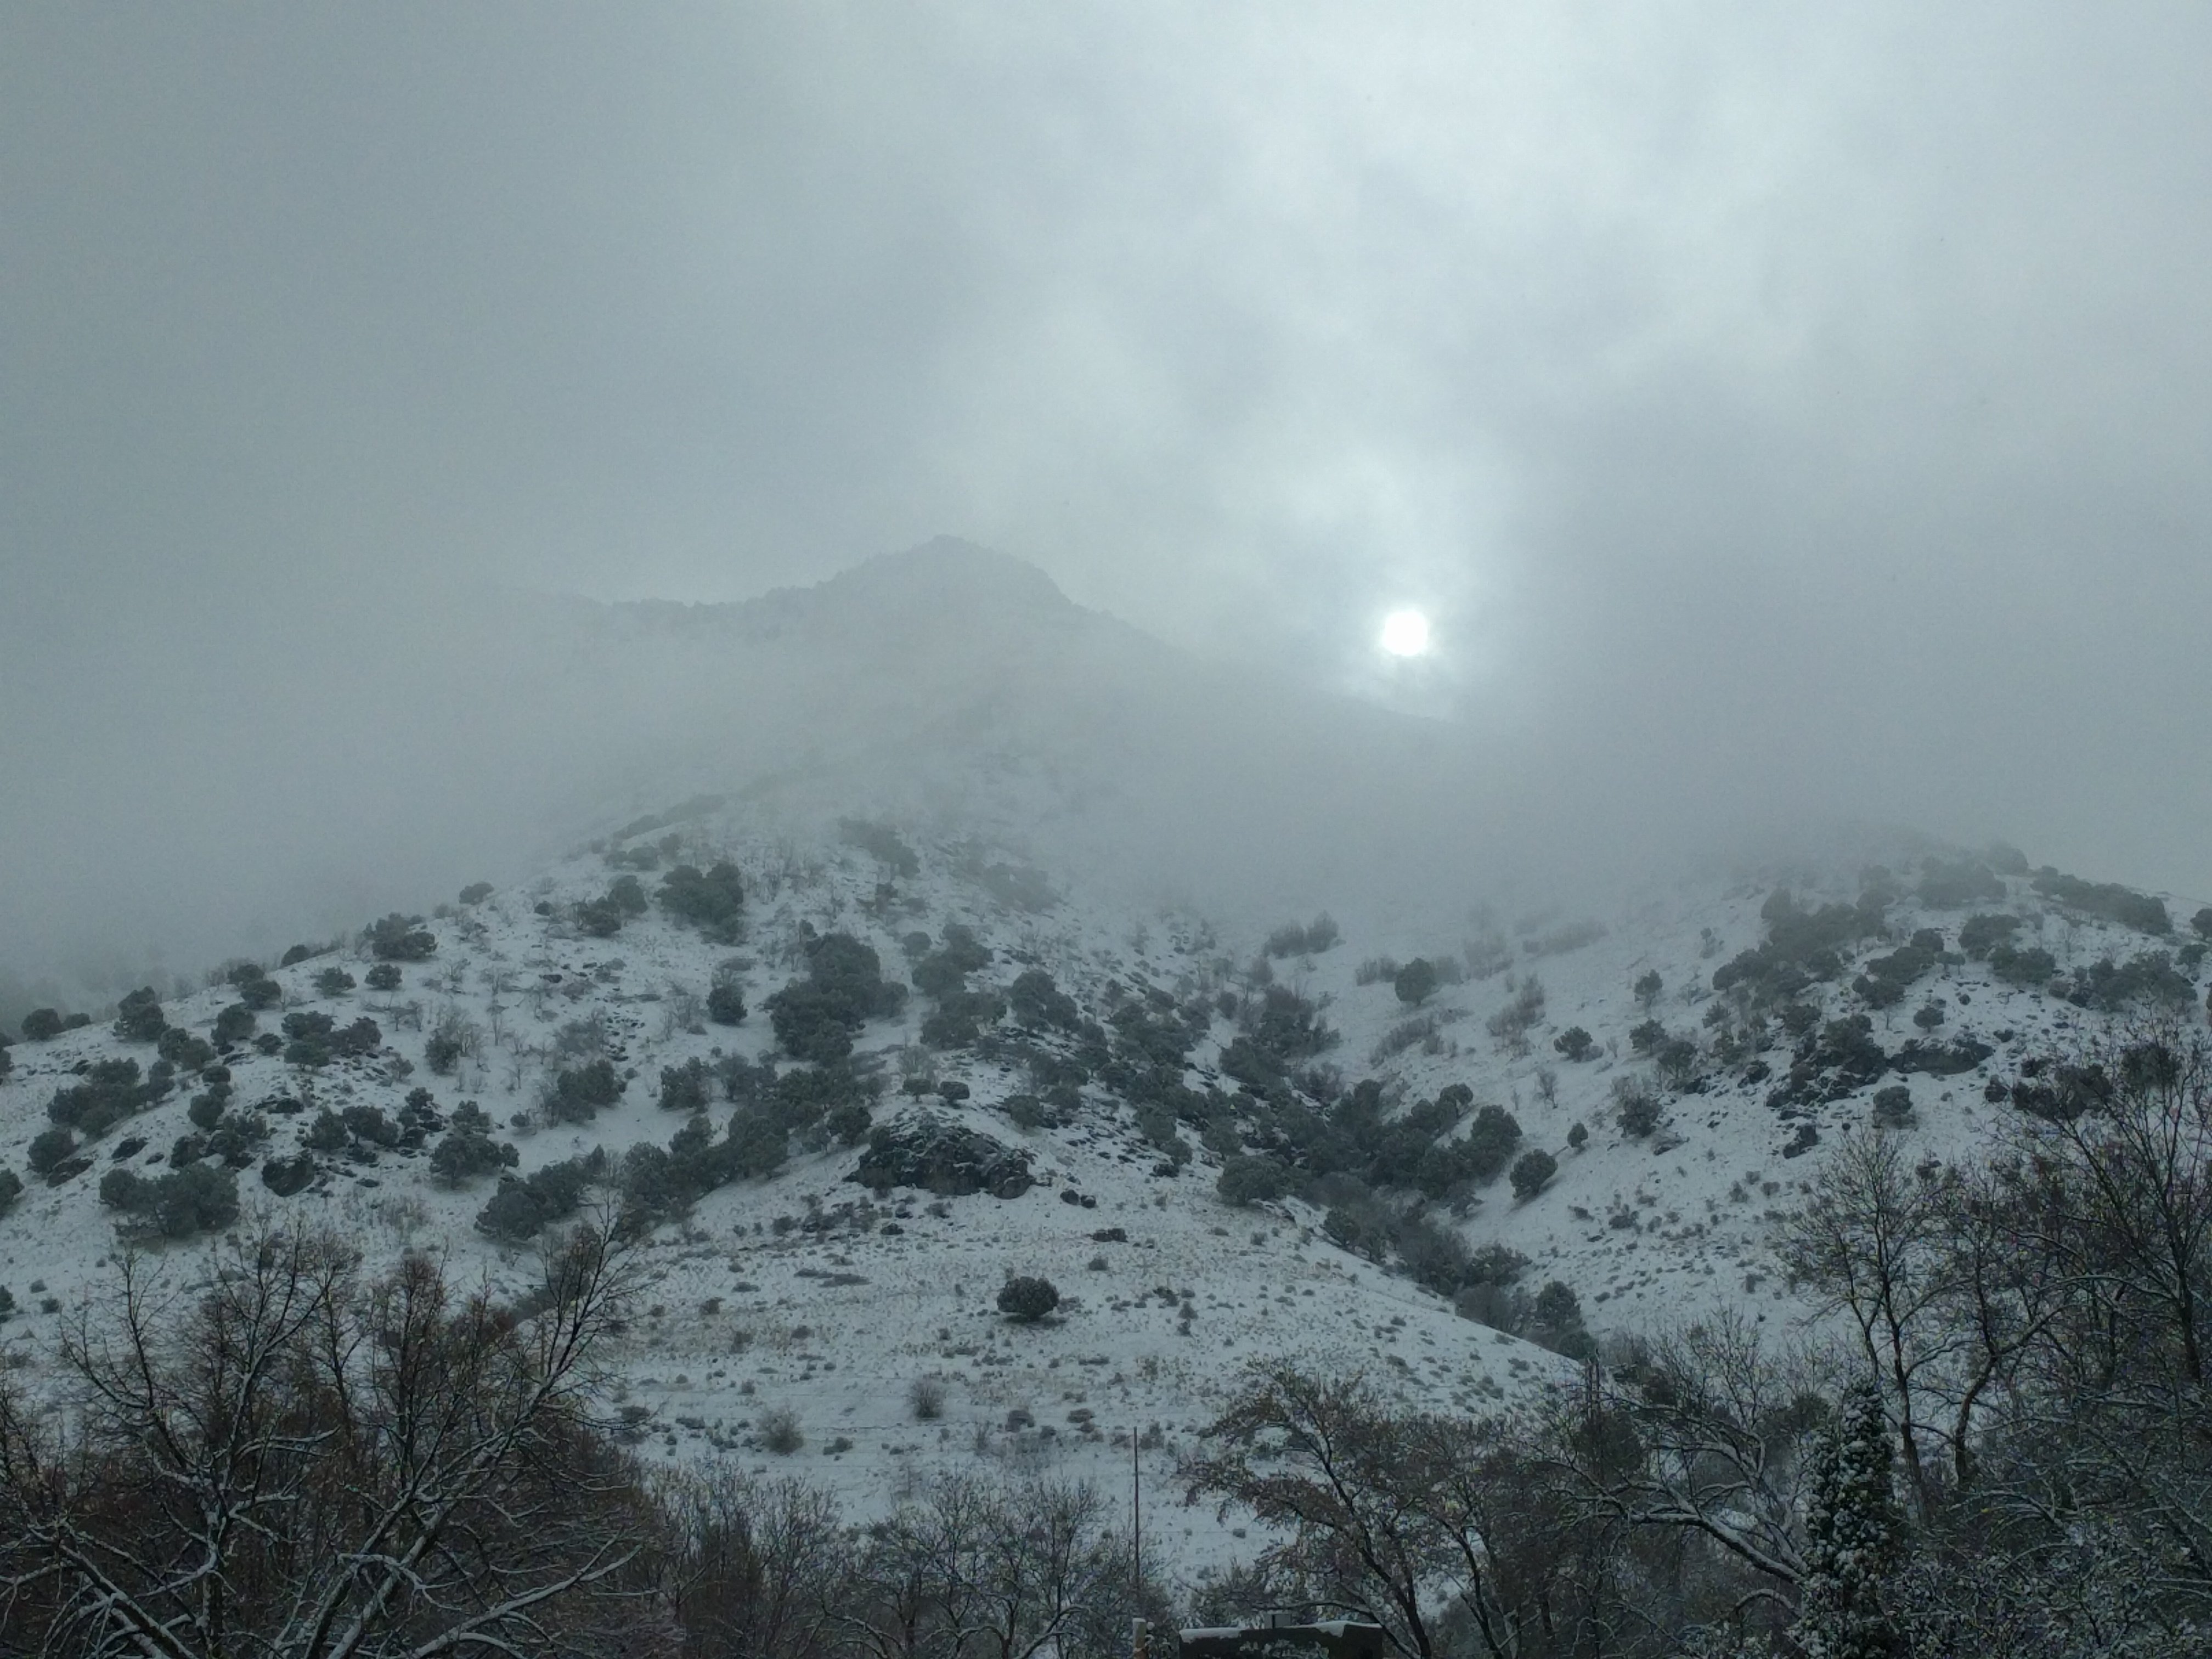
[1854, 1537]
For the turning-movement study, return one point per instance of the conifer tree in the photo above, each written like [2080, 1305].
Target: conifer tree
[1854, 1537]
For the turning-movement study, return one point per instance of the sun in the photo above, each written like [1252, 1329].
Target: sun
[1405, 634]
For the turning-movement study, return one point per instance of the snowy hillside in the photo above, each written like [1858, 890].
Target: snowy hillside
[1118, 1060]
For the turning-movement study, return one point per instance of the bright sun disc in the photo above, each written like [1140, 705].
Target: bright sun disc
[1404, 633]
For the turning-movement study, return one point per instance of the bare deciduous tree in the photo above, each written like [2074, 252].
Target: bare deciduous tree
[1442, 1530]
[978, 1571]
[298, 1463]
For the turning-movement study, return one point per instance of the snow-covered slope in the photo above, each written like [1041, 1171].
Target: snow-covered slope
[866, 1319]
[803, 1293]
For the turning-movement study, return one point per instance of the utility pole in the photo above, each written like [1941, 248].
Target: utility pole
[1140, 1633]
[1136, 1512]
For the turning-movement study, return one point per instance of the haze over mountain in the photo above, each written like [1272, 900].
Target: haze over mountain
[1778, 421]
[391, 749]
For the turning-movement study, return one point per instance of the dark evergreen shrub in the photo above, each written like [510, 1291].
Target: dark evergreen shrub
[1885, 979]
[450, 1038]
[120, 1189]
[327, 1134]
[814, 1018]
[334, 983]
[713, 901]
[1954, 883]
[183, 1050]
[1555, 1321]
[1929, 1015]
[199, 1199]
[109, 1092]
[757, 1144]
[1027, 1298]
[944, 971]
[725, 1003]
[258, 993]
[369, 1125]
[848, 1125]
[576, 1095]
[812, 1024]
[1675, 1058]
[2201, 921]
[523, 1205]
[49, 1148]
[2108, 899]
[465, 1154]
[959, 1018]
[287, 1177]
[1037, 1001]
[419, 1117]
[1280, 1023]
[384, 976]
[881, 842]
[652, 1187]
[309, 1033]
[1636, 1107]
[2150, 977]
[1575, 1044]
[476, 892]
[295, 955]
[401, 939]
[1531, 1170]
[11, 1188]
[139, 1017]
[628, 896]
[685, 1088]
[1647, 988]
[1578, 1136]
[1310, 939]
[1252, 1180]
[1801, 948]
[42, 1026]
[1415, 982]
[599, 918]
[205, 1110]
[236, 1137]
[1490, 1141]
[2030, 966]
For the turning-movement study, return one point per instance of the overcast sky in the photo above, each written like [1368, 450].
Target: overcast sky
[1767, 403]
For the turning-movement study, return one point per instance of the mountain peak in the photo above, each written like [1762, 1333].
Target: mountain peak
[947, 570]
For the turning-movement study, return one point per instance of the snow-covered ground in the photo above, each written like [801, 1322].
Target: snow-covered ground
[806, 1294]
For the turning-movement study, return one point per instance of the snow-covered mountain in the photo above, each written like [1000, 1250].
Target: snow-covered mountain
[982, 1037]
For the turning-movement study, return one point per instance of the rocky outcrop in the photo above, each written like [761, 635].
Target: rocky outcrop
[939, 1156]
